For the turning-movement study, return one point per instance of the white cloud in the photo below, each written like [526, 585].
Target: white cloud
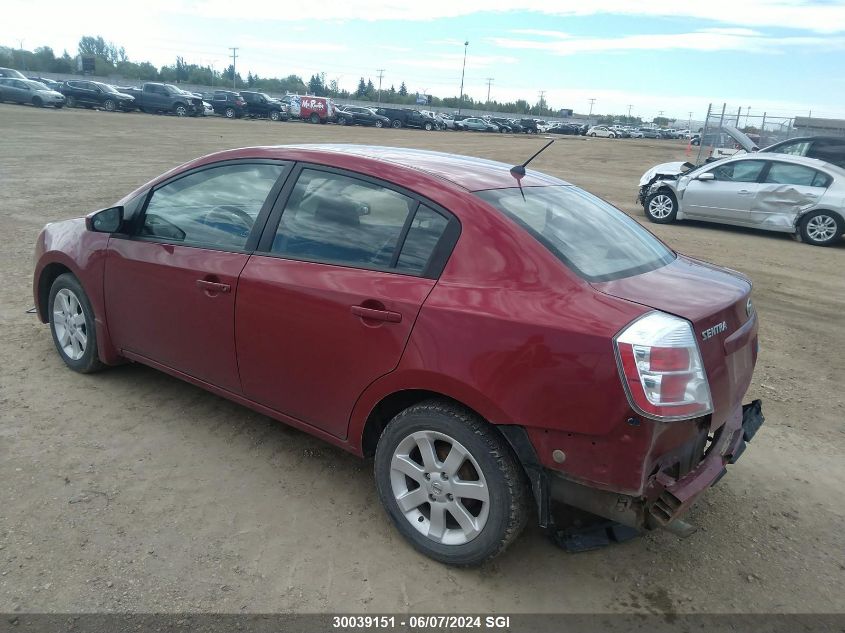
[703, 40]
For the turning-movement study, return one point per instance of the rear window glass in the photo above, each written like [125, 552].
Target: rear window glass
[596, 240]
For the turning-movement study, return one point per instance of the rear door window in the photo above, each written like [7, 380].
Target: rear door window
[829, 150]
[337, 219]
[789, 174]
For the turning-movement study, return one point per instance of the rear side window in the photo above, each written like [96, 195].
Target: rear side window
[424, 233]
[338, 219]
[596, 240]
[797, 148]
[789, 174]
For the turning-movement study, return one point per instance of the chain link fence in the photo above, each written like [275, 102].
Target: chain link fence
[762, 128]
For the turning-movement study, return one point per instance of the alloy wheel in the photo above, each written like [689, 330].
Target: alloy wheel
[69, 324]
[821, 228]
[439, 487]
[661, 206]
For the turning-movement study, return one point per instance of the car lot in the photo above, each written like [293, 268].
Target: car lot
[130, 490]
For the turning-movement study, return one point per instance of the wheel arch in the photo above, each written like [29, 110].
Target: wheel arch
[800, 218]
[48, 275]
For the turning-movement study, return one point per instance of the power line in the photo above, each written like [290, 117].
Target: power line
[489, 81]
[380, 75]
[234, 50]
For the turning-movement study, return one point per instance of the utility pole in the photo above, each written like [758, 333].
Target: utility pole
[234, 50]
[590, 116]
[463, 71]
[542, 103]
[489, 81]
[689, 122]
[380, 76]
[23, 59]
[629, 111]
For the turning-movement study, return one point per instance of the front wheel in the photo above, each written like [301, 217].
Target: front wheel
[275, 115]
[37, 102]
[661, 207]
[593, 134]
[821, 228]
[109, 105]
[180, 110]
[379, 124]
[72, 325]
[450, 483]
[341, 121]
[428, 127]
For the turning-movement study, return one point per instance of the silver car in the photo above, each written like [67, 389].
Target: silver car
[29, 91]
[774, 192]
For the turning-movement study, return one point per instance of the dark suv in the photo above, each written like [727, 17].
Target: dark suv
[407, 117]
[93, 94]
[229, 103]
[259, 104]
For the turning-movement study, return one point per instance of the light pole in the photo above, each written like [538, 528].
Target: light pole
[590, 116]
[463, 70]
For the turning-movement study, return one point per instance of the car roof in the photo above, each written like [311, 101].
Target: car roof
[467, 172]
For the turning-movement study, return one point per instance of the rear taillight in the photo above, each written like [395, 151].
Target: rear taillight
[661, 368]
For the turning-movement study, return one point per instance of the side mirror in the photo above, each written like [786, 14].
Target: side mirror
[707, 175]
[105, 221]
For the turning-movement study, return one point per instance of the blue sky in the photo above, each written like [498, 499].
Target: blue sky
[781, 56]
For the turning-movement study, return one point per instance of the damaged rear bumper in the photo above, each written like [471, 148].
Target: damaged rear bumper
[666, 499]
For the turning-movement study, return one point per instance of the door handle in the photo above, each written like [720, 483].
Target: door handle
[376, 315]
[743, 192]
[212, 286]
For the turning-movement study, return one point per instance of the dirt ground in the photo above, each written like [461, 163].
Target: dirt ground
[132, 491]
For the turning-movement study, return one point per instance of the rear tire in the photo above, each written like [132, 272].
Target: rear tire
[661, 207]
[463, 502]
[70, 102]
[342, 121]
[314, 118]
[229, 113]
[72, 325]
[821, 228]
[396, 124]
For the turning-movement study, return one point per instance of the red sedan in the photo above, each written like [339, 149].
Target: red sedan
[495, 339]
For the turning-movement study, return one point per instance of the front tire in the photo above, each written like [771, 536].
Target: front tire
[314, 118]
[72, 325]
[180, 110]
[450, 483]
[821, 228]
[661, 207]
[109, 105]
[379, 124]
[428, 127]
[37, 102]
[275, 115]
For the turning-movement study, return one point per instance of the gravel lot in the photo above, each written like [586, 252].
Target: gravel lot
[132, 491]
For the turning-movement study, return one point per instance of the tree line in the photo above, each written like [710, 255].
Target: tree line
[111, 59]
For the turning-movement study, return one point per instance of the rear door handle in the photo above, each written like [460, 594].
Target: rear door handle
[212, 286]
[743, 192]
[376, 315]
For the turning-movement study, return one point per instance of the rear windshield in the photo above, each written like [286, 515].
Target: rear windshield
[596, 240]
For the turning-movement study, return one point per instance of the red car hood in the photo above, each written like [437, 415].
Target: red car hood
[707, 296]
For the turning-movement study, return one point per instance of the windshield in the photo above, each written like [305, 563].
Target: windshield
[105, 87]
[596, 240]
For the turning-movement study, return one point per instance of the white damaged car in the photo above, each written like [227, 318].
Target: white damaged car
[769, 191]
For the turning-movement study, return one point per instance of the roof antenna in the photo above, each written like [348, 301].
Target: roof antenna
[518, 171]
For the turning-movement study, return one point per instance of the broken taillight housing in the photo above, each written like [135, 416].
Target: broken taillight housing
[661, 368]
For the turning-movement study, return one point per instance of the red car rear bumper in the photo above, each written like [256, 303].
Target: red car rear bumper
[667, 498]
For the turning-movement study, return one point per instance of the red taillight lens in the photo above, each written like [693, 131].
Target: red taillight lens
[661, 368]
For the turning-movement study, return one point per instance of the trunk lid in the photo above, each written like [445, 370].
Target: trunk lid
[714, 300]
